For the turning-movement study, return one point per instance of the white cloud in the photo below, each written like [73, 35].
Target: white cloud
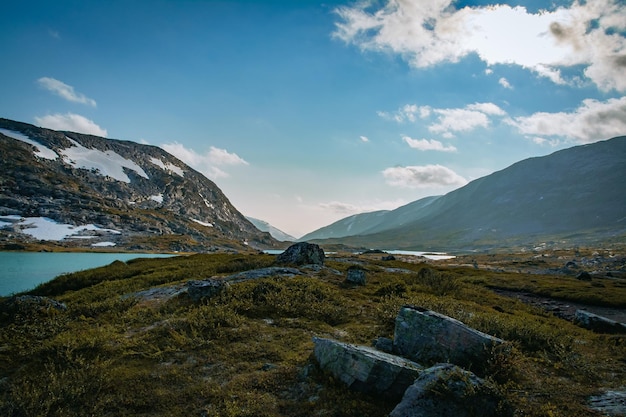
[592, 121]
[219, 156]
[448, 121]
[429, 32]
[409, 112]
[346, 209]
[208, 163]
[71, 122]
[505, 83]
[427, 145]
[422, 176]
[66, 91]
[364, 139]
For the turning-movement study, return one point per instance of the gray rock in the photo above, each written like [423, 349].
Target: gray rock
[584, 276]
[598, 323]
[384, 344]
[207, 288]
[29, 306]
[302, 253]
[262, 273]
[610, 403]
[429, 337]
[356, 276]
[365, 369]
[447, 390]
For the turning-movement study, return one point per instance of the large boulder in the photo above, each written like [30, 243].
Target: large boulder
[447, 390]
[365, 369]
[428, 337]
[302, 253]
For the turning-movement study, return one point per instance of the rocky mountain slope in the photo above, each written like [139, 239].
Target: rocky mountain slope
[105, 192]
[573, 196]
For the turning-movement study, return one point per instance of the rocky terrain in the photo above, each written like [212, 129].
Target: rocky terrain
[132, 196]
[309, 333]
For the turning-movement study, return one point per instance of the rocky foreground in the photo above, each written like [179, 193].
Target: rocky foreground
[307, 334]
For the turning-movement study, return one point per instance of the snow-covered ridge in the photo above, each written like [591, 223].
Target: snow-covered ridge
[42, 151]
[166, 166]
[107, 163]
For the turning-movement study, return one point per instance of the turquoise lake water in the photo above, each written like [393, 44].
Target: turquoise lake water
[22, 271]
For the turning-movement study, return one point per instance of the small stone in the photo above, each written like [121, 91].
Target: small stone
[356, 276]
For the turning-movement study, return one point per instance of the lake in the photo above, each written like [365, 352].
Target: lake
[22, 271]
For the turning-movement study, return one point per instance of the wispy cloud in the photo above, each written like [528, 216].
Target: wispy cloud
[364, 139]
[71, 122]
[426, 33]
[592, 121]
[346, 209]
[209, 163]
[425, 176]
[505, 83]
[427, 145]
[65, 91]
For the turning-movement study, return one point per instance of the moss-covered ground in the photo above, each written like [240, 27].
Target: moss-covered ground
[248, 351]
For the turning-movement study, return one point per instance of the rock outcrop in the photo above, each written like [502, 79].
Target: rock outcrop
[598, 323]
[302, 253]
[442, 390]
[447, 390]
[429, 337]
[366, 369]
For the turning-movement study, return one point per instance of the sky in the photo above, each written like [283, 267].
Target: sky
[305, 112]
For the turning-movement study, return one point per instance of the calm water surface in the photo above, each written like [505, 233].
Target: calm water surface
[22, 271]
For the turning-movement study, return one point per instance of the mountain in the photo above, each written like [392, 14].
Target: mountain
[276, 233]
[574, 196]
[84, 191]
[376, 221]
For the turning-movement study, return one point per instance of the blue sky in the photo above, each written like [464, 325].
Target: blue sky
[305, 112]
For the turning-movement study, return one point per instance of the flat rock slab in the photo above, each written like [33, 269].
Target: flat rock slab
[366, 369]
[428, 337]
[598, 323]
[271, 271]
[610, 403]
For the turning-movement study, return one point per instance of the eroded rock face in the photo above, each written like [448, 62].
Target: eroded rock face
[302, 253]
[366, 369]
[447, 390]
[428, 337]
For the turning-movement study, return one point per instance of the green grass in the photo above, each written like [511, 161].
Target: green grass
[248, 351]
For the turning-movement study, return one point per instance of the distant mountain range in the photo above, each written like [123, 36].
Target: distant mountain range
[573, 196]
[276, 233]
[87, 191]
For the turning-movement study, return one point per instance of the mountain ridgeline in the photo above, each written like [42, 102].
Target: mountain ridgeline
[137, 196]
[573, 196]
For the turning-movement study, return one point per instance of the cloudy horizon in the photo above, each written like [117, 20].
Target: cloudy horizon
[306, 112]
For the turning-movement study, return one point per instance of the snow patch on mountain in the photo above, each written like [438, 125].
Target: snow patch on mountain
[43, 228]
[158, 198]
[166, 166]
[200, 222]
[108, 164]
[42, 151]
